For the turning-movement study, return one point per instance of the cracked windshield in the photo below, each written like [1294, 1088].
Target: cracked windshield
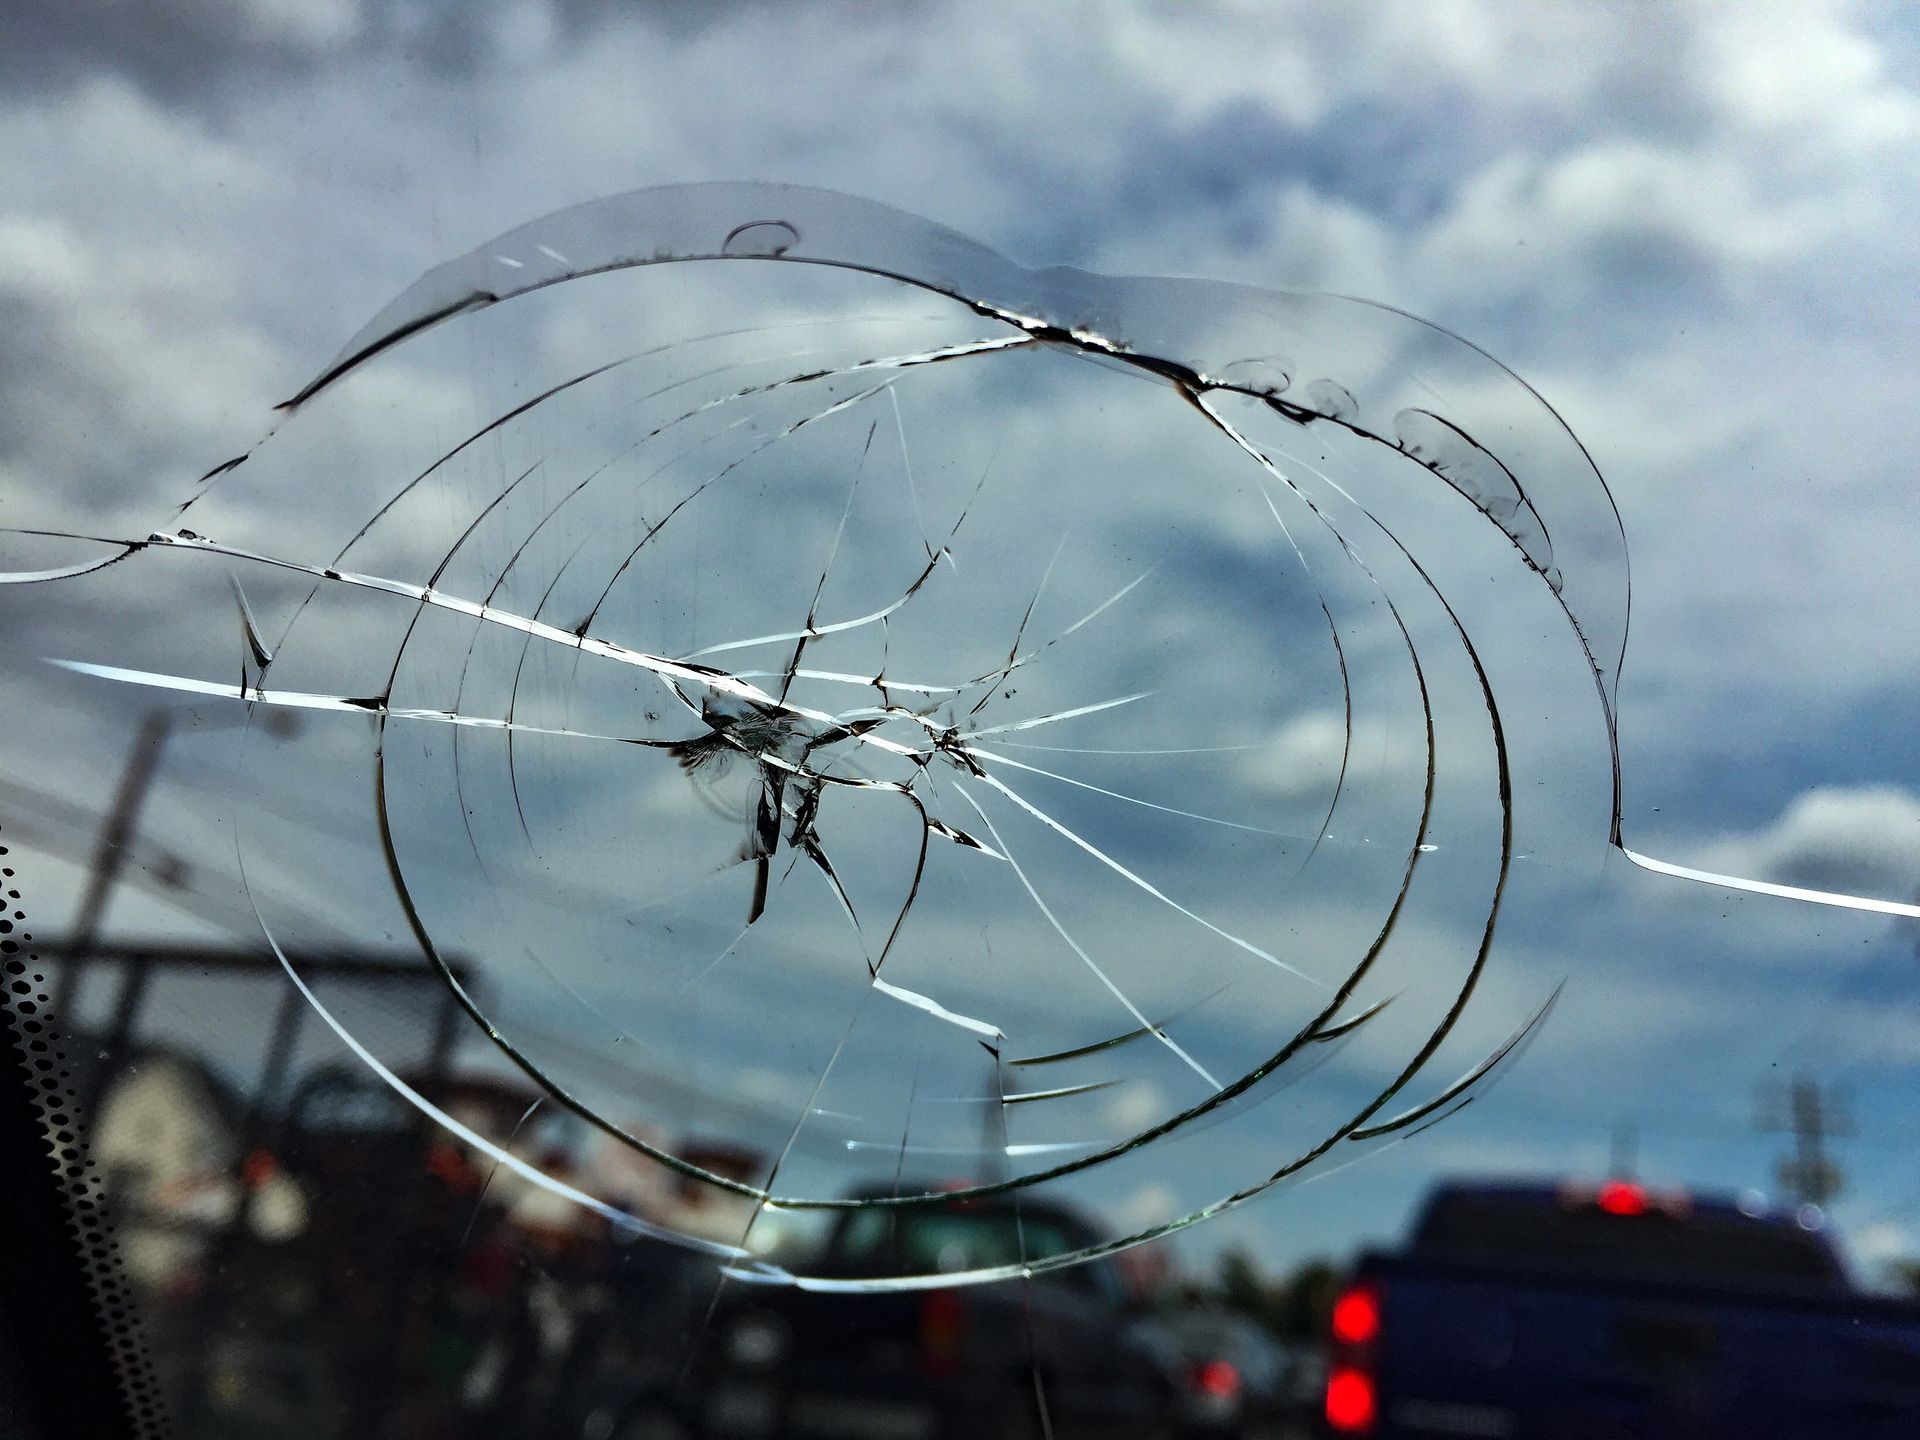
[882, 723]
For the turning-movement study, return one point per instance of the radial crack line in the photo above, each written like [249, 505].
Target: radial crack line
[500, 497]
[906, 466]
[403, 893]
[1017, 1097]
[825, 867]
[768, 1198]
[1015, 660]
[981, 754]
[841, 677]
[935, 1008]
[546, 518]
[576, 490]
[1086, 959]
[809, 630]
[1767, 887]
[1093, 614]
[961, 837]
[607, 589]
[1348, 987]
[662, 666]
[1080, 1051]
[1333, 629]
[712, 964]
[897, 362]
[717, 475]
[1266, 463]
[554, 510]
[1114, 865]
[1260, 458]
[813, 631]
[840, 531]
[1294, 1046]
[621, 569]
[839, 405]
[1020, 630]
[1168, 750]
[1059, 715]
[928, 826]
[307, 700]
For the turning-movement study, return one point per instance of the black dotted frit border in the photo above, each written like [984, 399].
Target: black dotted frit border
[44, 1067]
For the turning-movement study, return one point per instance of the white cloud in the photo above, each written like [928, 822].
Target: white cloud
[1150, 1204]
[1785, 68]
[1529, 220]
[1858, 839]
[307, 24]
[1303, 758]
[1882, 1243]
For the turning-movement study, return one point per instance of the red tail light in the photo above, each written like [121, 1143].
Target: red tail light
[1618, 1197]
[1217, 1378]
[1356, 1316]
[943, 1333]
[1350, 1401]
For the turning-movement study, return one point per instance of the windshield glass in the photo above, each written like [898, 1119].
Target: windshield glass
[668, 669]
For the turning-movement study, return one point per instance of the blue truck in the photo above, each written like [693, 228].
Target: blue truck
[1526, 1310]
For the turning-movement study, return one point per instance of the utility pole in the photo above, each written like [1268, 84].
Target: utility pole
[110, 851]
[123, 819]
[1809, 1175]
[117, 834]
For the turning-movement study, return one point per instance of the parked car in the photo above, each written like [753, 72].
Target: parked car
[927, 1364]
[1237, 1382]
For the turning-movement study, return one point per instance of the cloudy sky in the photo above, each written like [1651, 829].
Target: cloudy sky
[1691, 229]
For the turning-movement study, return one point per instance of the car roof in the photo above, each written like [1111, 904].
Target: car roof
[1549, 1191]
